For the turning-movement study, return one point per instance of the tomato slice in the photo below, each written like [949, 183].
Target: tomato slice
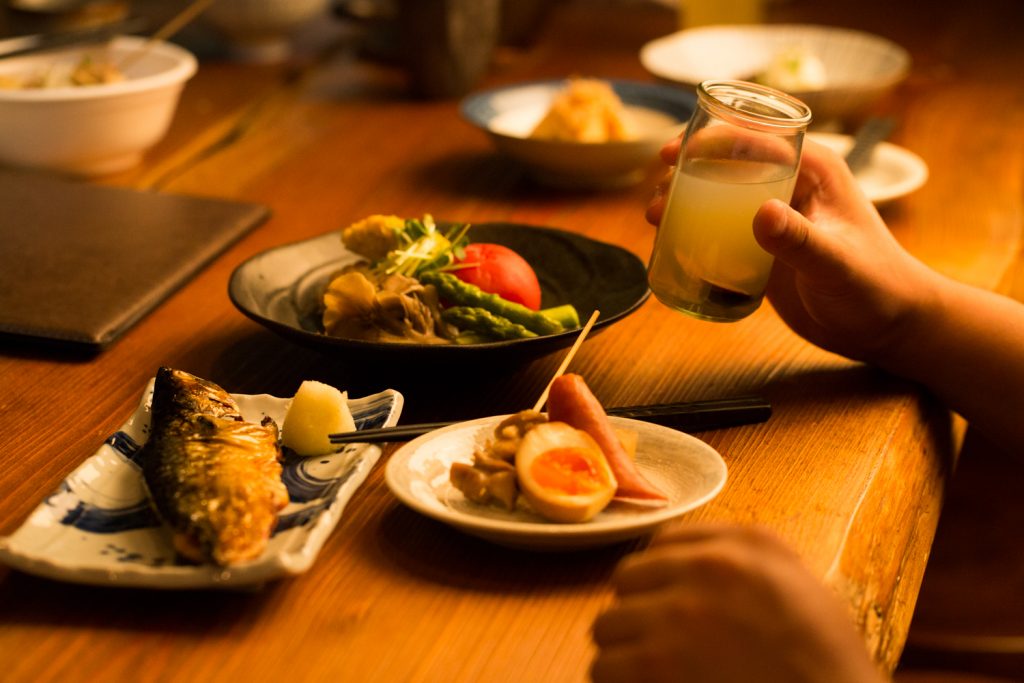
[499, 270]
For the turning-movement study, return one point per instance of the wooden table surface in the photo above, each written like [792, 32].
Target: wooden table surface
[850, 469]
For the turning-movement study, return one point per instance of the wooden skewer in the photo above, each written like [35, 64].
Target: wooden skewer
[174, 25]
[565, 362]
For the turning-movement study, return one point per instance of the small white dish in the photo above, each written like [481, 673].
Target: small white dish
[508, 115]
[859, 67]
[98, 527]
[891, 173]
[688, 470]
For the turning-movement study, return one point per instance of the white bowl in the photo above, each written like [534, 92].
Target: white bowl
[260, 31]
[509, 114]
[859, 67]
[94, 129]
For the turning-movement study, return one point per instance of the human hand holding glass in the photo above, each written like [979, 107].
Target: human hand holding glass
[840, 279]
[741, 147]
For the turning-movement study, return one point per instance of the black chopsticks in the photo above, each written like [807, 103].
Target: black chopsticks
[693, 416]
[27, 44]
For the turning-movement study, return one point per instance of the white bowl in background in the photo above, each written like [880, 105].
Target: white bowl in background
[509, 114]
[93, 129]
[859, 67]
[260, 31]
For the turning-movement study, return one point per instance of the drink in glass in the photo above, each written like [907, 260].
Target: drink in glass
[741, 148]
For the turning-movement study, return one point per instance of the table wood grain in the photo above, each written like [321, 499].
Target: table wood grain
[850, 469]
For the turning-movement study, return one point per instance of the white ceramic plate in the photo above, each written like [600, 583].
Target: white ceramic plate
[892, 172]
[684, 467]
[509, 114]
[98, 527]
[859, 67]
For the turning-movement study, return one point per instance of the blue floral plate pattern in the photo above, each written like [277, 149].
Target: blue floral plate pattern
[98, 527]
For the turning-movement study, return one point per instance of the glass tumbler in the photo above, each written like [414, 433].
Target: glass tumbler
[741, 148]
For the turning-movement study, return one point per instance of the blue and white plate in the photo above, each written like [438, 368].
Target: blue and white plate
[98, 527]
[509, 114]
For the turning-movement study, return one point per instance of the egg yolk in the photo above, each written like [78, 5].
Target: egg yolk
[568, 470]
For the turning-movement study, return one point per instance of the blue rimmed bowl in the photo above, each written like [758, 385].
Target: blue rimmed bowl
[509, 114]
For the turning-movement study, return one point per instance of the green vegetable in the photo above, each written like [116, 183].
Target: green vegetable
[465, 337]
[418, 249]
[422, 248]
[464, 294]
[565, 315]
[484, 322]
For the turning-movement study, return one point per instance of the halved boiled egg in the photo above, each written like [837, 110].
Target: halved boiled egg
[563, 474]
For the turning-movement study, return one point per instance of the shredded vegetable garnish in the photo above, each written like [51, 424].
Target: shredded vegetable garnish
[423, 247]
[407, 289]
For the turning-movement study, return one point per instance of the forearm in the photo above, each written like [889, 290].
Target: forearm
[967, 346]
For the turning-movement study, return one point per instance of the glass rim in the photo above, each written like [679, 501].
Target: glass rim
[793, 113]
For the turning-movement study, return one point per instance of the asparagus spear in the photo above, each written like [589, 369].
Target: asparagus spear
[455, 290]
[484, 322]
[565, 315]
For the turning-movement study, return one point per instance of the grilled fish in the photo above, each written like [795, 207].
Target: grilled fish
[214, 479]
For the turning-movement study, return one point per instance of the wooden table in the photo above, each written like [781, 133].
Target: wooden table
[850, 469]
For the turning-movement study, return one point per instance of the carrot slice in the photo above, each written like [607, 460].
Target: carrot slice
[572, 402]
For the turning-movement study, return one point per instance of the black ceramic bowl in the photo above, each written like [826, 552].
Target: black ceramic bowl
[282, 288]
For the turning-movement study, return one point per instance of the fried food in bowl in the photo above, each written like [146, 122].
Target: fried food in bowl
[585, 133]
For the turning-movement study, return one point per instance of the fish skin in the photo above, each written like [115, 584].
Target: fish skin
[214, 479]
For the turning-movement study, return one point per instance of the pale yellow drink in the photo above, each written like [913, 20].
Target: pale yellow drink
[706, 261]
[741, 148]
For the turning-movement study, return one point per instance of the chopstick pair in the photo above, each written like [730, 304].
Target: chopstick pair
[40, 42]
[689, 416]
[692, 416]
[400, 433]
[28, 44]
